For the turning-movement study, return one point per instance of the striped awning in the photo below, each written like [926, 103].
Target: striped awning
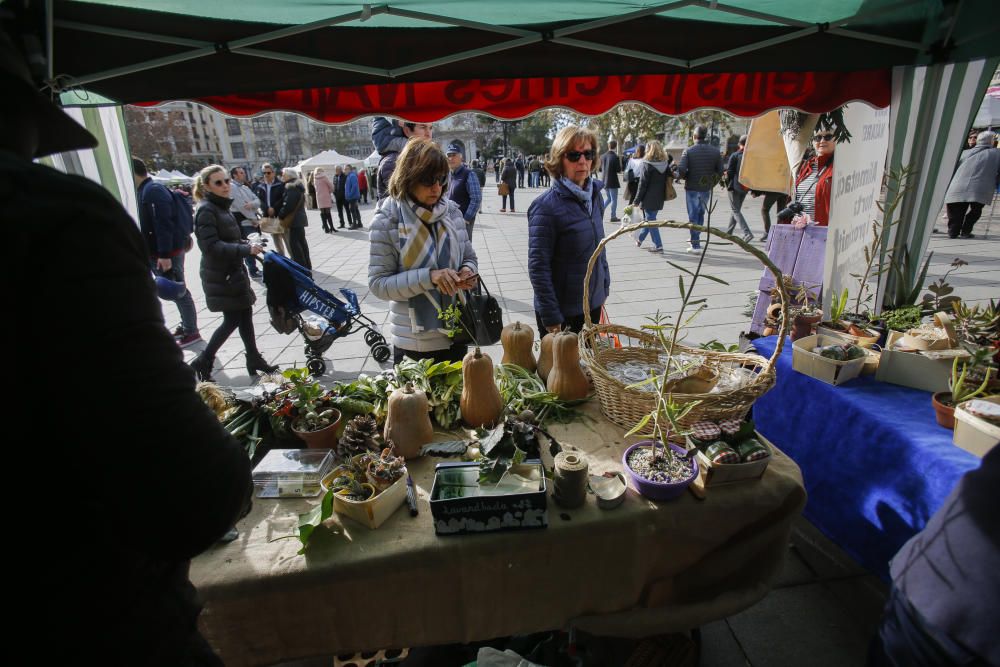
[932, 108]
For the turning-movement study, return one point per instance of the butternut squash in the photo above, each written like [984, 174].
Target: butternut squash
[481, 404]
[517, 340]
[566, 379]
[408, 424]
[545, 356]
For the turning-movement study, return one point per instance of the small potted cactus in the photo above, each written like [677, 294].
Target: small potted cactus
[370, 486]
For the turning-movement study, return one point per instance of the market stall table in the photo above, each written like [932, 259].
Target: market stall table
[638, 570]
[875, 461]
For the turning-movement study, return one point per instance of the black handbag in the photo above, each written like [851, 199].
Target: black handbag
[481, 315]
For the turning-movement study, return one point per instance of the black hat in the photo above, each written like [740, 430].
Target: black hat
[57, 131]
[455, 147]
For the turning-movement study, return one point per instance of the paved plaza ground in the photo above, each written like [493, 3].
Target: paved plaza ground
[824, 608]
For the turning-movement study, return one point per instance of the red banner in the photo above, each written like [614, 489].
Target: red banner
[743, 94]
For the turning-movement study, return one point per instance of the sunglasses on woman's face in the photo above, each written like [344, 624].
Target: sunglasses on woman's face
[431, 182]
[218, 184]
[574, 156]
[823, 137]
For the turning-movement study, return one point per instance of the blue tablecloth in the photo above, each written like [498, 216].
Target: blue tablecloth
[876, 464]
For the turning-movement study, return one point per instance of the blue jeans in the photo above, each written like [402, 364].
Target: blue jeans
[185, 304]
[696, 201]
[613, 200]
[736, 203]
[651, 231]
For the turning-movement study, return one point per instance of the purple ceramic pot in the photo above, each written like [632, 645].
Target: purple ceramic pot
[658, 490]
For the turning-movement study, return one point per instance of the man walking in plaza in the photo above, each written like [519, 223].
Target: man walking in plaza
[339, 193]
[519, 166]
[244, 209]
[352, 195]
[464, 187]
[737, 193]
[534, 172]
[611, 164]
[270, 191]
[701, 167]
[167, 238]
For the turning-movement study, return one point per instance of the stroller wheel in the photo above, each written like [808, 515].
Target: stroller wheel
[373, 337]
[308, 349]
[381, 352]
[316, 366]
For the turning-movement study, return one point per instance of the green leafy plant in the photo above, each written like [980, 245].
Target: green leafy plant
[961, 370]
[880, 231]
[805, 299]
[906, 293]
[940, 294]
[309, 399]
[902, 319]
[838, 305]
[667, 415]
[718, 346]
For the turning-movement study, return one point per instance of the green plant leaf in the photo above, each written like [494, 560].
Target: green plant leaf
[312, 519]
[641, 425]
[681, 268]
[680, 285]
[714, 279]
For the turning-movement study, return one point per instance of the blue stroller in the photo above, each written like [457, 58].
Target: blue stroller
[291, 290]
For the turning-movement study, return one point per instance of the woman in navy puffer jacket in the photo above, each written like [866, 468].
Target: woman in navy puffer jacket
[564, 228]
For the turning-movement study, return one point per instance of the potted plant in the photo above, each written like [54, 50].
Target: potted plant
[313, 417]
[806, 311]
[962, 389]
[657, 468]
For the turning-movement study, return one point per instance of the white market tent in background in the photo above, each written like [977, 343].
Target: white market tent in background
[180, 176]
[989, 112]
[372, 160]
[328, 160]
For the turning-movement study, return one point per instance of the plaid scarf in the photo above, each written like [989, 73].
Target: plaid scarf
[425, 242]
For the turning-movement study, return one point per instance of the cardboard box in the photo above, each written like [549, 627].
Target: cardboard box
[913, 369]
[860, 341]
[374, 511]
[805, 361]
[478, 513]
[728, 473]
[975, 434]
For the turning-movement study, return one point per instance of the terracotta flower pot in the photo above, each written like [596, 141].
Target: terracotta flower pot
[324, 438]
[802, 325]
[945, 413]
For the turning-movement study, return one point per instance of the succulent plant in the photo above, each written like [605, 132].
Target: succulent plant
[361, 435]
[383, 470]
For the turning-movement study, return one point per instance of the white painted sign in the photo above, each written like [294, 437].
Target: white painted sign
[858, 167]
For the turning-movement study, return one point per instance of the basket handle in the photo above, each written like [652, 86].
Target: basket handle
[760, 255]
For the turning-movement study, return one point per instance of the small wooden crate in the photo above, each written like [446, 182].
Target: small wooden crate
[374, 511]
[975, 434]
[805, 361]
[728, 473]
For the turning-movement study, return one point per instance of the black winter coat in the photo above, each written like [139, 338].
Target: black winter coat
[168, 481]
[294, 192]
[652, 190]
[509, 176]
[223, 274]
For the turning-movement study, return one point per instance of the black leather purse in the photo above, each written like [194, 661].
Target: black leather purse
[481, 315]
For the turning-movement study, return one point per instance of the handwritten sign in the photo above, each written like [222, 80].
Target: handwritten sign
[857, 184]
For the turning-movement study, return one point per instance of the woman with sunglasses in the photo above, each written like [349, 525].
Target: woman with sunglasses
[420, 255]
[565, 225]
[814, 182]
[223, 275]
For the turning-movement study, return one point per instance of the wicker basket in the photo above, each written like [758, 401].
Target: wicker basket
[626, 407]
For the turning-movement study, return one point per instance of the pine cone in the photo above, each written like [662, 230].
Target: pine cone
[360, 436]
